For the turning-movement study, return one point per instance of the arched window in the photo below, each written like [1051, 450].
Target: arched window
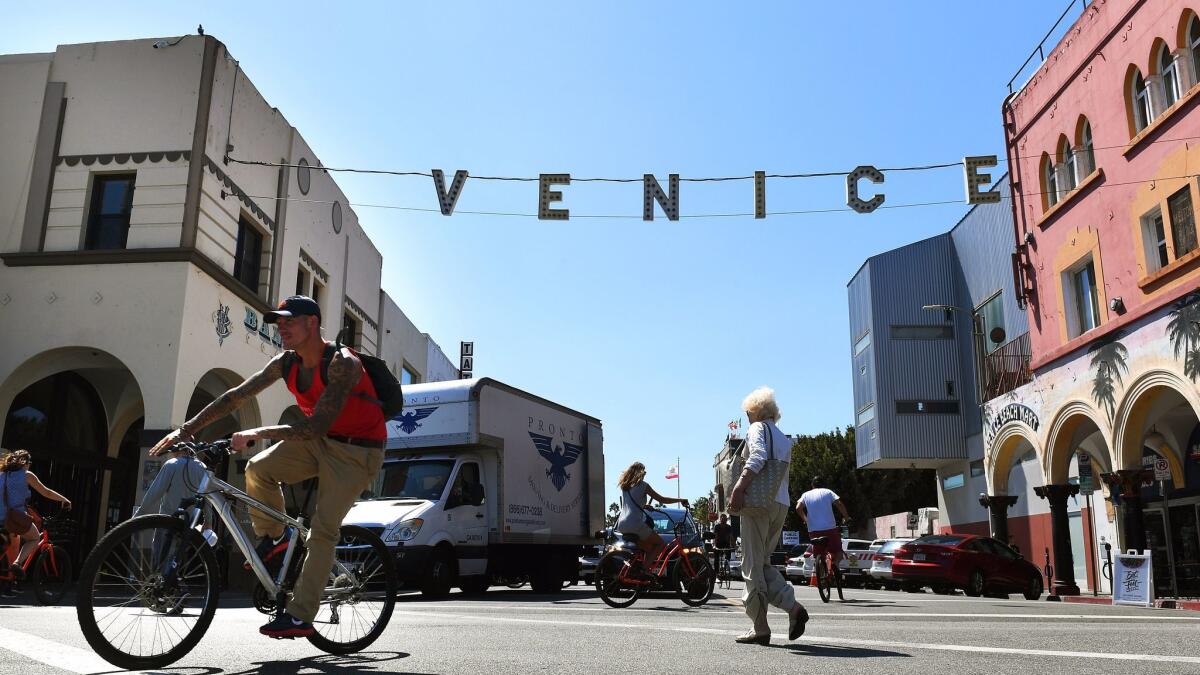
[1170, 76]
[1049, 181]
[1085, 155]
[1140, 98]
[1070, 177]
[1193, 41]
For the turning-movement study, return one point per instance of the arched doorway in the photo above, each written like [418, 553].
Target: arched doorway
[61, 421]
[1078, 454]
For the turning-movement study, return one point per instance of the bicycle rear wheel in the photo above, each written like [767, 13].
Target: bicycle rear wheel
[360, 595]
[610, 580]
[147, 593]
[823, 579]
[51, 575]
[693, 579]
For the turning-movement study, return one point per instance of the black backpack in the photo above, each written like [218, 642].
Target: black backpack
[387, 387]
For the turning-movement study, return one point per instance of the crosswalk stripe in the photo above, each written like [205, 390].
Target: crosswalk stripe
[53, 653]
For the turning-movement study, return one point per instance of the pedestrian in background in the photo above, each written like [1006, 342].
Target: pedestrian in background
[761, 531]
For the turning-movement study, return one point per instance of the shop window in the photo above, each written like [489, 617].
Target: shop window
[927, 407]
[350, 330]
[109, 213]
[923, 332]
[1170, 77]
[1155, 237]
[1082, 303]
[1183, 221]
[862, 343]
[866, 414]
[247, 260]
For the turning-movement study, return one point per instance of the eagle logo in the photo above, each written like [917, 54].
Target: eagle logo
[410, 421]
[560, 458]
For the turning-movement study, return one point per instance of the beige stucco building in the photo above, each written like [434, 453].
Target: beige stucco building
[138, 261]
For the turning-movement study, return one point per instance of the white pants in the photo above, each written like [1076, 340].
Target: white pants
[764, 584]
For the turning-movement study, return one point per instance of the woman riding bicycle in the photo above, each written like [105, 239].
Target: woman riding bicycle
[17, 479]
[634, 519]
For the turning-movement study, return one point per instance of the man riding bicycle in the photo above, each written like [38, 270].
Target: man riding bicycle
[816, 510]
[340, 441]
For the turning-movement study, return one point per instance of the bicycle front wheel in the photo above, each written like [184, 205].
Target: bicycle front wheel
[51, 575]
[610, 575]
[147, 593]
[693, 579]
[359, 596]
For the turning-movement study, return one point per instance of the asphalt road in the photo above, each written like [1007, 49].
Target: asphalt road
[517, 631]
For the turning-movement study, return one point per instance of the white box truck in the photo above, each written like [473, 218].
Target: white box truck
[483, 483]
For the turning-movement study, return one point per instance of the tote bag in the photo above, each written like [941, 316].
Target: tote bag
[765, 486]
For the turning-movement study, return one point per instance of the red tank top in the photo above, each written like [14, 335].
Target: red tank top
[359, 418]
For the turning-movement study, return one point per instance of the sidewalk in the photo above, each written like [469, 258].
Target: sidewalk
[1161, 603]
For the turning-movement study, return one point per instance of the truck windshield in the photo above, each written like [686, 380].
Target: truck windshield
[412, 480]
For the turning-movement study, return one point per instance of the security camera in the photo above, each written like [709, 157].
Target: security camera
[161, 43]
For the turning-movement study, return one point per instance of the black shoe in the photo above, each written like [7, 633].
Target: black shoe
[18, 572]
[285, 627]
[796, 623]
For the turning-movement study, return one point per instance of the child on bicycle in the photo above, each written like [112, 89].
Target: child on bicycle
[634, 519]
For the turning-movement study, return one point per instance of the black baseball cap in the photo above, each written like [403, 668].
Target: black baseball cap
[297, 305]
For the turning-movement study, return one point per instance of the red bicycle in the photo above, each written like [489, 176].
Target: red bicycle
[622, 574]
[48, 568]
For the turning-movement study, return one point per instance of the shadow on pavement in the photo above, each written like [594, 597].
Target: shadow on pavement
[362, 662]
[837, 652]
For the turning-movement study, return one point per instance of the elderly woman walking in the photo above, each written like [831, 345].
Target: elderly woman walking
[761, 528]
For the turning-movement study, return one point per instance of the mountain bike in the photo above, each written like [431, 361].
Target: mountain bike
[149, 590]
[827, 571]
[622, 574]
[48, 568]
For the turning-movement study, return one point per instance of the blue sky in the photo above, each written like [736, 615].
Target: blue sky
[659, 329]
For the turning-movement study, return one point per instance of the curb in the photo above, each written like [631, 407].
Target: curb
[1193, 605]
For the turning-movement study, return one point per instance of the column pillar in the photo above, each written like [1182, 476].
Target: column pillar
[1064, 561]
[1126, 488]
[997, 506]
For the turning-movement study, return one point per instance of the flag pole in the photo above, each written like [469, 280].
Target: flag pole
[678, 480]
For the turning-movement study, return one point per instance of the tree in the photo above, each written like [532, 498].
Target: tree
[614, 511]
[703, 506]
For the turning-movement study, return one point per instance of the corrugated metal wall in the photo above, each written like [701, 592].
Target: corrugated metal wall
[963, 268]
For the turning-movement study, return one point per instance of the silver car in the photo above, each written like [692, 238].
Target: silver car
[881, 564]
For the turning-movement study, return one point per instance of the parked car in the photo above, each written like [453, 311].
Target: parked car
[855, 556]
[794, 571]
[881, 561]
[975, 564]
[781, 555]
[588, 561]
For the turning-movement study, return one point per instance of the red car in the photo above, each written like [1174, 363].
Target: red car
[967, 561]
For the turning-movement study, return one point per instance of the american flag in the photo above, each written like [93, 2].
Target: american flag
[673, 472]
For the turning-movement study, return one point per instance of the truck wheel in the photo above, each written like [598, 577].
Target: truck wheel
[475, 585]
[440, 575]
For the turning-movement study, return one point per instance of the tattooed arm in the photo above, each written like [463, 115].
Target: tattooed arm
[225, 404]
[344, 372]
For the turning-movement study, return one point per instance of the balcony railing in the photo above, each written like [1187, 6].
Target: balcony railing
[1006, 368]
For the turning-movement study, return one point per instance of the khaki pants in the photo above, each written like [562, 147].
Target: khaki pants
[344, 471]
[764, 584]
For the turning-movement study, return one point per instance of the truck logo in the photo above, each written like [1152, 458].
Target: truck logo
[409, 420]
[559, 457]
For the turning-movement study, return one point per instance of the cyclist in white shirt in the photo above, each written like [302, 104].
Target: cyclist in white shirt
[816, 510]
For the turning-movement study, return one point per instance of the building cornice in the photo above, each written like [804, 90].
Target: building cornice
[137, 256]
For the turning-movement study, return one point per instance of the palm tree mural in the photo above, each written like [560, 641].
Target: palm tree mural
[1108, 358]
[1184, 330]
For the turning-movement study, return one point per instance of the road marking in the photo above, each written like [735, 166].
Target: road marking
[53, 653]
[975, 649]
[843, 615]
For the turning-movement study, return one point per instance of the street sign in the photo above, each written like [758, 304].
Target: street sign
[791, 537]
[1085, 464]
[1162, 469]
[913, 519]
[1087, 485]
